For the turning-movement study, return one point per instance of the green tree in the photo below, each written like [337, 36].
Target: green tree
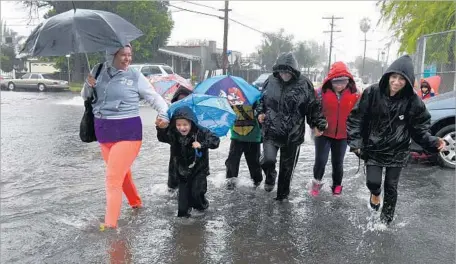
[8, 54]
[273, 44]
[7, 57]
[152, 17]
[409, 20]
[304, 55]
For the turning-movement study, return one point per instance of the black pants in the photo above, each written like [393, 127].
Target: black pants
[288, 159]
[374, 183]
[251, 153]
[338, 147]
[192, 193]
[173, 181]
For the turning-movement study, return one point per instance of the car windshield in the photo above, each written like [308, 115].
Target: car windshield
[168, 70]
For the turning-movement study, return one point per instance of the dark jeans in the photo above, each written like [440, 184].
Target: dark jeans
[374, 183]
[251, 153]
[288, 159]
[338, 147]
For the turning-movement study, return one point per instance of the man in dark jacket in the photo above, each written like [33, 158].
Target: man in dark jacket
[173, 182]
[289, 99]
[380, 127]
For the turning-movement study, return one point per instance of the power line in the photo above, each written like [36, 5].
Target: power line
[233, 20]
[198, 4]
[196, 12]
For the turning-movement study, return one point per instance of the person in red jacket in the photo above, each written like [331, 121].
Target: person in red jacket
[338, 95]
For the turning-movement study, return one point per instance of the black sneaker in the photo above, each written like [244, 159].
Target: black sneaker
[268, 187]
[186, 214]
[256, 184]
[385, 219]
[230, 184]
[281, 199]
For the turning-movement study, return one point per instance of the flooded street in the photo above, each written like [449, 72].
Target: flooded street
[52, 199]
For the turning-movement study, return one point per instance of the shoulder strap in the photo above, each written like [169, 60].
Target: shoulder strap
[100, 66]
[94, 95]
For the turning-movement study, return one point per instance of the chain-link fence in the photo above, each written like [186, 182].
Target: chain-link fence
[436, 56]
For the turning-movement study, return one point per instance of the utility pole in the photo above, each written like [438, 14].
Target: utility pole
[225, 37]
[331, 38]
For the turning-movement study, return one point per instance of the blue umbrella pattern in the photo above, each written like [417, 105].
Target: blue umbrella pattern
[212, 112]
[235, 89]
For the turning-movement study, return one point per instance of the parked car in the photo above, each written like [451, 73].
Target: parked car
[258, 83]
[442, 109]
[153, 69]
[37, 81]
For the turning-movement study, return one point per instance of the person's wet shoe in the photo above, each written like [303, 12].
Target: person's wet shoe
[315, 188]
[104, 228]
[281, 198]
[184, 214]
[375, 202]
[268, 187]
[256, 184]
[337, 190]
[386, 219]
[230, 184]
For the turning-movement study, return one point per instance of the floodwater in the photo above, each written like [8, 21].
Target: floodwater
[52, 199]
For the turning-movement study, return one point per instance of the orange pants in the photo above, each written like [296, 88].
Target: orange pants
[119, 157]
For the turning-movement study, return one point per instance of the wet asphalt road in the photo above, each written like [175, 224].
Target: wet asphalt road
[52, 198]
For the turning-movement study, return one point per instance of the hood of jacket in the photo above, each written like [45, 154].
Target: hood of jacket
[434, 83]
[182, 90]
[288, 63]
[184, 112]
[404, 67]
[339, 69]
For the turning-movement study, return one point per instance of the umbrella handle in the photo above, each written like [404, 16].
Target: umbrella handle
[198, 153]
[87, 59]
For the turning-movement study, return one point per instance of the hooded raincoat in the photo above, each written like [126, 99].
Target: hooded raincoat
[191, 169]
[381, 125]
[287, 105]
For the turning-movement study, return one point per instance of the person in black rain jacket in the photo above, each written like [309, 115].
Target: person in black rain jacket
[190, 146]
[380, 127]
[173, 182]
[287, 102]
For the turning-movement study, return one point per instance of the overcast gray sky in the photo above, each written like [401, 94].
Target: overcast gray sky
[303, 19]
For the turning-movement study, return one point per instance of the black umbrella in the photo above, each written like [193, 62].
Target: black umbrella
[80, 31]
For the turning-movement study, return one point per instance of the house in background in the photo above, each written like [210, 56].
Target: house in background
[35, 65]
[196, 61]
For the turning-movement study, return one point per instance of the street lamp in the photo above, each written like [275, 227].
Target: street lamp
[364, 25]
[68, 68]
[383, 60]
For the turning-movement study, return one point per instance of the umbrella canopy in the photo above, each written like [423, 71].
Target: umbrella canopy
[212, 112]
[166, 86]
[80, 31]
[235, 89]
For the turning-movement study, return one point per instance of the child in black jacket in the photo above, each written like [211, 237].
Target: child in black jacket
[190, 157]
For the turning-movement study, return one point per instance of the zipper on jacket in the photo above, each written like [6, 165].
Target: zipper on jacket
[338, 110]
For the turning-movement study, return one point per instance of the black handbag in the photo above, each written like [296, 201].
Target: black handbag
[87, 126]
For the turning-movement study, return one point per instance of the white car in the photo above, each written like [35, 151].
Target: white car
[149, 70]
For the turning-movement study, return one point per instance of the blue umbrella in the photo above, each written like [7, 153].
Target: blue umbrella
[235, 89]
[212, 112]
